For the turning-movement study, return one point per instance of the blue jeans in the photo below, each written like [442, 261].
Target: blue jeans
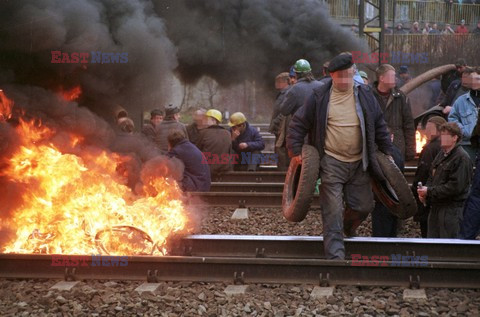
[342, 184]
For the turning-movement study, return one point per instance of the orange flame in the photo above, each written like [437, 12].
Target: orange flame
[72, 94]
[420, 141]
[6, 106]
[79, 203]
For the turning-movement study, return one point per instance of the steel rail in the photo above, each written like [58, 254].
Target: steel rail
[230, 187]
[277, 176]
[249, 270]
[241, 199]
[311, 247]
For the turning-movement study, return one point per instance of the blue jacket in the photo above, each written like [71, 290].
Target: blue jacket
[252, 137]
[464, 112]
[297, 94]
[196, 176]
[311, 119]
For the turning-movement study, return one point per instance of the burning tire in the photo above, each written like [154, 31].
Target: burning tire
[395, 194]
[300, 185]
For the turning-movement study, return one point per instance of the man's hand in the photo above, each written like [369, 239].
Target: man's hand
[298, 158]
[446, 110]
[235, 134]
[243, 146]
[391, 159]
[422, 194]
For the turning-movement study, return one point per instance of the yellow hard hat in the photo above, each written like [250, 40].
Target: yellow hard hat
[236, 119]
[214, 114]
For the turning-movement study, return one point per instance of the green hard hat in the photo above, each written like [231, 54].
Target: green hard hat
[363, 74]
[302, 66]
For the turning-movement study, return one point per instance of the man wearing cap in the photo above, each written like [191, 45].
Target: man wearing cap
[169, 124]
[246, 142]
[150, 128]
[461, 29]
[279, 122]
[396, 110]
[364, 77]
[216, 144]
[295, 97]
[346, 125]
[403, 76]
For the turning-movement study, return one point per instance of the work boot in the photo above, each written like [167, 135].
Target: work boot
[352, 220]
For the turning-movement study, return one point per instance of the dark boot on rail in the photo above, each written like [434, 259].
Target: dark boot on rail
[352, 220]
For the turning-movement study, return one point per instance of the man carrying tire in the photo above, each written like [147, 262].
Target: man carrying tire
[345, 124]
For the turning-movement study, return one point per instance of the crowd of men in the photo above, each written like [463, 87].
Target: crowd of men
[204, 147]
[347, 118]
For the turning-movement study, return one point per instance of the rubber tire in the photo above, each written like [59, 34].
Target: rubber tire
[405, 206]
[300, 184]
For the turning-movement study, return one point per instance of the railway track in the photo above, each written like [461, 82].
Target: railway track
[278, 177]
[237, 259]
[254, 189]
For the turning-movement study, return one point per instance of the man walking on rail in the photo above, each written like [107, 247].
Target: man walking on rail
[345, 123]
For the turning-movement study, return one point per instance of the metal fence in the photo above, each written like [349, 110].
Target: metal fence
[410, 11]
[427, 51]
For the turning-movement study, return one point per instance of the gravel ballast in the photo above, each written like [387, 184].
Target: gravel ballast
[96, 298]
[270, 221]
[119, 298]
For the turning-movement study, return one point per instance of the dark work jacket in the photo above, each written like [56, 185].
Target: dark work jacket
[450, 178]
[193, 133]
[448, 78]
[164, 129]
[149, 131]
[398, 115]
[252, 137]
[428, 154]
[214, 142]
[196, 176]
[277, 117]
[454, 91]
[311, 119]
[297, 94]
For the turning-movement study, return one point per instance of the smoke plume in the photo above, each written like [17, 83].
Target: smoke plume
[234, 40]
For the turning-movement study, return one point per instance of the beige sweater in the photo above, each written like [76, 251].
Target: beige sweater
[344, 136]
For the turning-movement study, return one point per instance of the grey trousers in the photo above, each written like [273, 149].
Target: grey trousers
[283, 159]
[342, 183]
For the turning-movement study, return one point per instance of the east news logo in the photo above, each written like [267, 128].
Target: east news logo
[385, 260]
[59, 57]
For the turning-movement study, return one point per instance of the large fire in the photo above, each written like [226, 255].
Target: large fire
[76, 202]
[420, 141]
[5, 107]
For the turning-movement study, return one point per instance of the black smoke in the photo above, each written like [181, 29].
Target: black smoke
[234, 40]
[31, 29]
[228, 40]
